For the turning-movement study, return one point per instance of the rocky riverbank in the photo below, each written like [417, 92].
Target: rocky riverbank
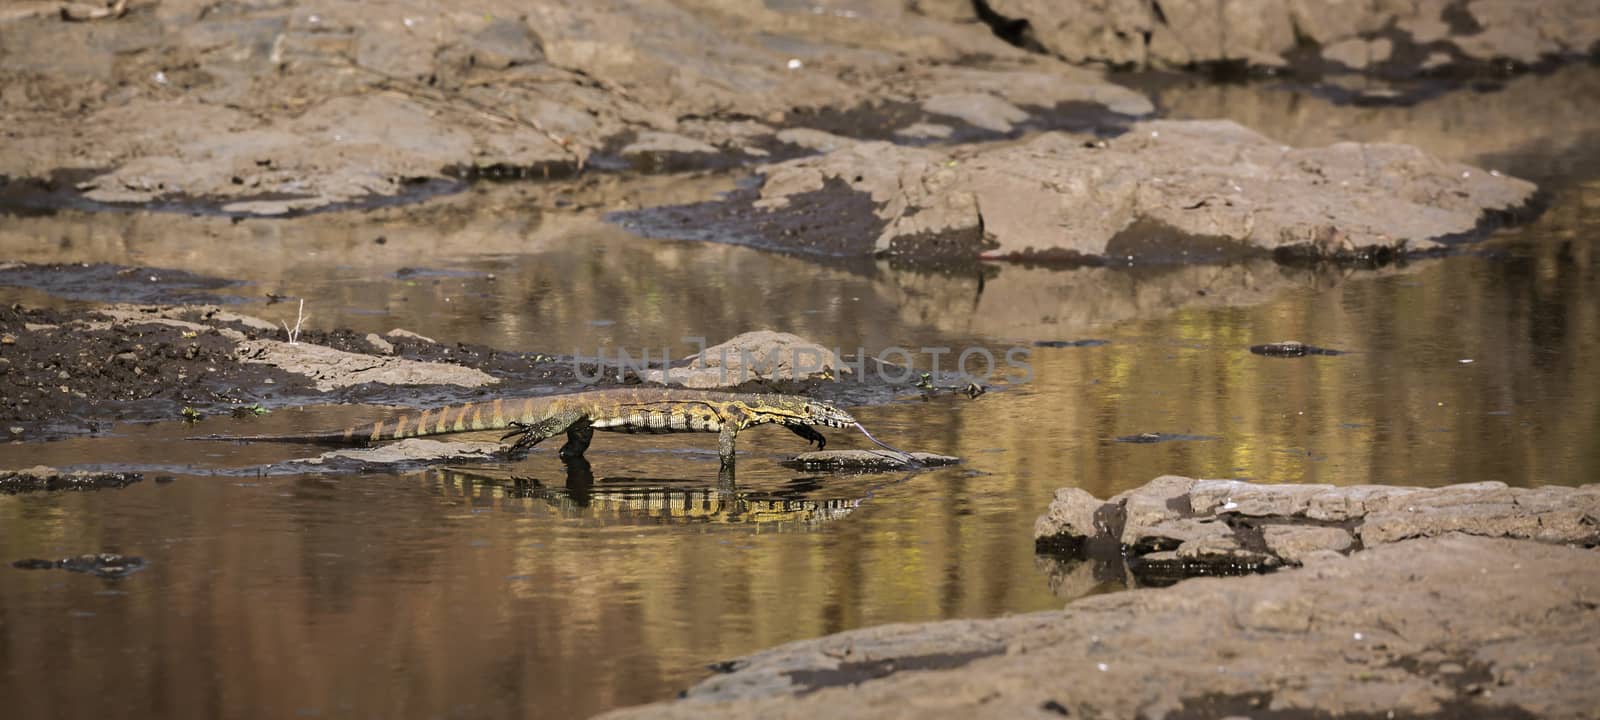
[1411, 602]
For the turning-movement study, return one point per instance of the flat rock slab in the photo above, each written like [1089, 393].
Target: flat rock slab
[1176, 526]
[330, 368]
[868, 460]
[1453, 626]
[1168, 190]
[411, 451]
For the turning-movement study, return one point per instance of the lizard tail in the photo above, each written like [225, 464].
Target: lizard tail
[466, 417]
[340, 437]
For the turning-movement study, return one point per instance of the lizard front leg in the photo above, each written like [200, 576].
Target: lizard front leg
[725, 443]
[578, 436]
[810, 435]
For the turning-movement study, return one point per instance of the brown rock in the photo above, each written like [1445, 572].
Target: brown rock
[756, 355]
[1216, 185]
[1349, 636]
[1295, 543]
[1070, 515]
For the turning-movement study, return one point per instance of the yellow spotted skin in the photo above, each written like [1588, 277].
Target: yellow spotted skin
[628, 410]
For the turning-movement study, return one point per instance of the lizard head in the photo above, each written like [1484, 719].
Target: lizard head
[790, 410]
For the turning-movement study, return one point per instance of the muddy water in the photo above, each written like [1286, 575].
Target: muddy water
[523, 590]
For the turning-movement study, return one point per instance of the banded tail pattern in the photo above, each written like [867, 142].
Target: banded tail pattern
[496, 414]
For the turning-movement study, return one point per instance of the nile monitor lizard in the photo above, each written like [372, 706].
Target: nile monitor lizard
[629, 410]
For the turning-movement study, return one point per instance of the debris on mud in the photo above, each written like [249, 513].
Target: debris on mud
[67, 372]
[1451, 626]
[866, 460]
[1291, 348]
[1167, 191]
[106, 565]
[47, 478]
[1175, 526]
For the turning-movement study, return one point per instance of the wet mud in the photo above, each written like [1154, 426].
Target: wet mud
[71, 372]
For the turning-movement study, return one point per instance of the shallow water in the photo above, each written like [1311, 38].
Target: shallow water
[520, 591]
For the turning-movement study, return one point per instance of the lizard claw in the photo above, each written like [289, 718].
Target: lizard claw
[517, 428]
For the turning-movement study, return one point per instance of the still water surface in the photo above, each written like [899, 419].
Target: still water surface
[518, 591]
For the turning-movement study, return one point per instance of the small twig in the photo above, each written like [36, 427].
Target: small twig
[300, 317]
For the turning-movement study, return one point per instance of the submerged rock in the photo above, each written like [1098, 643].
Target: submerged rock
[867, 460]
[106, 565]
[1291, 348]
[405, 452]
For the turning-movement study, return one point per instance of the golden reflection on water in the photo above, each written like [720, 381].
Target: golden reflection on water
[441, 594]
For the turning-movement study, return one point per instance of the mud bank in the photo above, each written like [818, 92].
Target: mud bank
[68, 372]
